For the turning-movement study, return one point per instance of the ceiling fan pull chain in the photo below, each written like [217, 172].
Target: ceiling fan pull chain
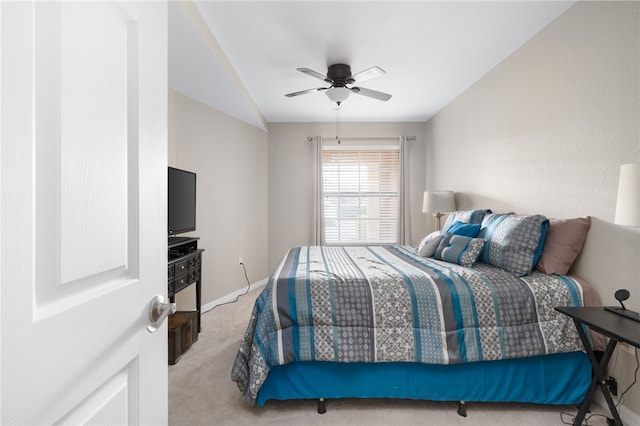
[338, 123]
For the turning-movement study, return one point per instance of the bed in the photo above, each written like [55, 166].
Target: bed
[459, 321]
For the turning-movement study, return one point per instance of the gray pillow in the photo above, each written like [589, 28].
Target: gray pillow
[513, 243]
[429, 244]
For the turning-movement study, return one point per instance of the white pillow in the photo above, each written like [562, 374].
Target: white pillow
[429, 244]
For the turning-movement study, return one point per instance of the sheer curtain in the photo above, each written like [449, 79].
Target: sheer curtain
[404, 194]
[317, 234]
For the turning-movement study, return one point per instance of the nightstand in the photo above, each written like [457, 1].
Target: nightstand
[618, 329]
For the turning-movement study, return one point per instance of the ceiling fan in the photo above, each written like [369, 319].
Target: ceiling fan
[339, 77]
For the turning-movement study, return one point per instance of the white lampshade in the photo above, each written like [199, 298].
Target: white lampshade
[438, 202]
[338, 94]
[628, 201]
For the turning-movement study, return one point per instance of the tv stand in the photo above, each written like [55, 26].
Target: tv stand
[185, 269]
[175, 241]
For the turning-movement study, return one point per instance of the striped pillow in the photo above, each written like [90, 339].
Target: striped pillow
[459, 249]
[465, 216]
[513, 243]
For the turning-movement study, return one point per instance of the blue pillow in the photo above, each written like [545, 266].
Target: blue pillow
[543, 238]
[464, 229]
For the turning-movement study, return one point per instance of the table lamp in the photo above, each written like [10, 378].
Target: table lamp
[628, 201]
[437, 202]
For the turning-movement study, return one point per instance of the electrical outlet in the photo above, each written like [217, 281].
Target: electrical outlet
[240, 261]
[613, 385]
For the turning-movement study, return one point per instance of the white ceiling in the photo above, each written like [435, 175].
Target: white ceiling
[241, 57]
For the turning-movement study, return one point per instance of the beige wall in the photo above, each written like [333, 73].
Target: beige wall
[291, 177]
[546, 131]
[230, 159]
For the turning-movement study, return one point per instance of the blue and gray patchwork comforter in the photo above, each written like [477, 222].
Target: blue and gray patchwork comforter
[387, 304]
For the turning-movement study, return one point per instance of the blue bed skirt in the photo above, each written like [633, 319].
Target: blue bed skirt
[560, 379]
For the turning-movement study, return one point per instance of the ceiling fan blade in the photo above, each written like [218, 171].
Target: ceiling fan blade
[381, 96]
[304, 92]
[368, 74]
[315, 74]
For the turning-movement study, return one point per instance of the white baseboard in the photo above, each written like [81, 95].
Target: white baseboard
[230, 297]
[629, 418]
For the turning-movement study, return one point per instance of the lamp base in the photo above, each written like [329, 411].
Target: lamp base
[438, 217]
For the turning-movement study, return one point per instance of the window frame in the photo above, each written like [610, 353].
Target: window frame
[387, 200]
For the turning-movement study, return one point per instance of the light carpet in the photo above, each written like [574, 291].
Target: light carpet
[201, 392]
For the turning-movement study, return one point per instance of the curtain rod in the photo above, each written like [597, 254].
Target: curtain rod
[361, 138]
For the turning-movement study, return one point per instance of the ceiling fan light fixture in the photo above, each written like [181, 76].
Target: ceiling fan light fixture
[338, 94]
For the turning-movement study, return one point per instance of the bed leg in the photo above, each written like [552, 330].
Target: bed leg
[462, 410]
[321, 408]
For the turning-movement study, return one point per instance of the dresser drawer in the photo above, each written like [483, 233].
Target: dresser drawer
[181, 281]
[182, 266]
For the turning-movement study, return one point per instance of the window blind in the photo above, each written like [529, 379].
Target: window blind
[360, 195]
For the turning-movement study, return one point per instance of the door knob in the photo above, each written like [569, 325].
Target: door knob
[158, 311]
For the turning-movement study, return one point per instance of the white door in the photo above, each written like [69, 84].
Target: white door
[83, 192]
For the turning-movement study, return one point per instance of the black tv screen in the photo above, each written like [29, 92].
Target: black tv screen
[182, 201]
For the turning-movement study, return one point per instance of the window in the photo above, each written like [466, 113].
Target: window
[360, 195]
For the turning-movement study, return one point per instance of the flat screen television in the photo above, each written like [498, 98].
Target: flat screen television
[181, 201]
